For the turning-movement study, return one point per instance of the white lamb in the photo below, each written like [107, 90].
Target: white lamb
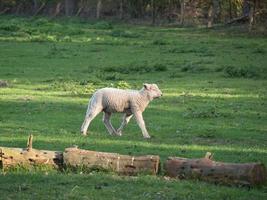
[129, 102]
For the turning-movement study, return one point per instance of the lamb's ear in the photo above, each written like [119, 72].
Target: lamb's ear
[146, 86]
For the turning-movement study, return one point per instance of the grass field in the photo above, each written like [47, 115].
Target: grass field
[214, 85]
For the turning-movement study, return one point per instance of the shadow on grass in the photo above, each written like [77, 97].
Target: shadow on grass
[56, 126]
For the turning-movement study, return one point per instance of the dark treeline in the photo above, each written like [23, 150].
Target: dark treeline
[183, 12]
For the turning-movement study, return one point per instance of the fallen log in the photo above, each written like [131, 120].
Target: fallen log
[121, 164]
[10, 157]
[217, 172]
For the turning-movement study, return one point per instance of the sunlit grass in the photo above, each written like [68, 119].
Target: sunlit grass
[214, 99]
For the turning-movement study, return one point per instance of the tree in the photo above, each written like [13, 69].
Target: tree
[70, 7]
[182, 7]
[98, 9]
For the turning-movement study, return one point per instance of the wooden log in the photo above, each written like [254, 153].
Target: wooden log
[10, 157]
[218, 172]
[121, 164]
[22, 157]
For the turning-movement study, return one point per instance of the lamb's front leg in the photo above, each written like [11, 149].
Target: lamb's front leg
[140, 121]
[125, 120]
[108, 125]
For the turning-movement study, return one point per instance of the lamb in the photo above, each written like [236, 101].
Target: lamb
[129, 102]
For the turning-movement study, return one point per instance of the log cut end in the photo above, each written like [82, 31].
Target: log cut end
[258, 174]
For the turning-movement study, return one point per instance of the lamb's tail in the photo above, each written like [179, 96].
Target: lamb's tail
[90, 104]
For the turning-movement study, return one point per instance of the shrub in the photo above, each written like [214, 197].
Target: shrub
[122, 85]
[113, 77]
[193, 67]
[238, 72]
[160, 67]
[41, 22]
[129, 69]
[9, 27]
[102, 25]
[159, 42]
[202, 112]
[123, 33]
[259, 50]
[175, 75]
[73, 87]
[134, 68]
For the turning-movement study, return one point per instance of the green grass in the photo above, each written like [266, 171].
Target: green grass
[214, 85]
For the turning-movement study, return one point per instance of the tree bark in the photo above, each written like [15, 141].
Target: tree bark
[182, 4]
[217, 172]
[98, 9]
[35, 6]
[246, 7]
[230, 9]
[57, 9]
[40, 9]
[10, 157]
[210, 15]
[216, 10]
[122, 164]
[252, 15]
[153, 12]
[69, 7]
[18, 8]
[121, 9]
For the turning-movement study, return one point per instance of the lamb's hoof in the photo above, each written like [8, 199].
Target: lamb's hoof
[147, 137]
[84, 134]
[118, 133]
[112, 133]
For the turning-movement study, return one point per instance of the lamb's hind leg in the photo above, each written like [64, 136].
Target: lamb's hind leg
[90, 115]
[125, 120]
[108, 125]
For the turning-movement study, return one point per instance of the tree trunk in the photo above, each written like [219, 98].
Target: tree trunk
[182, 4]
[169, 11]
[252, 15]
[121, 9]
[57, 9]
[230, 9]
[218, 172]
[246, 8]
[80, 8]
[18, 8]
[216, 10]
[98, 9]
[210, 15]
[35, 6]
[40, 9]
[153, 12]
[122, 164]
[69, 7]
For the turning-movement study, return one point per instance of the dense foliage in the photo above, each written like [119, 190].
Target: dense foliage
[183, 12]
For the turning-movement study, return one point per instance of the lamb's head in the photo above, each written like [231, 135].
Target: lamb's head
[152, 91]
